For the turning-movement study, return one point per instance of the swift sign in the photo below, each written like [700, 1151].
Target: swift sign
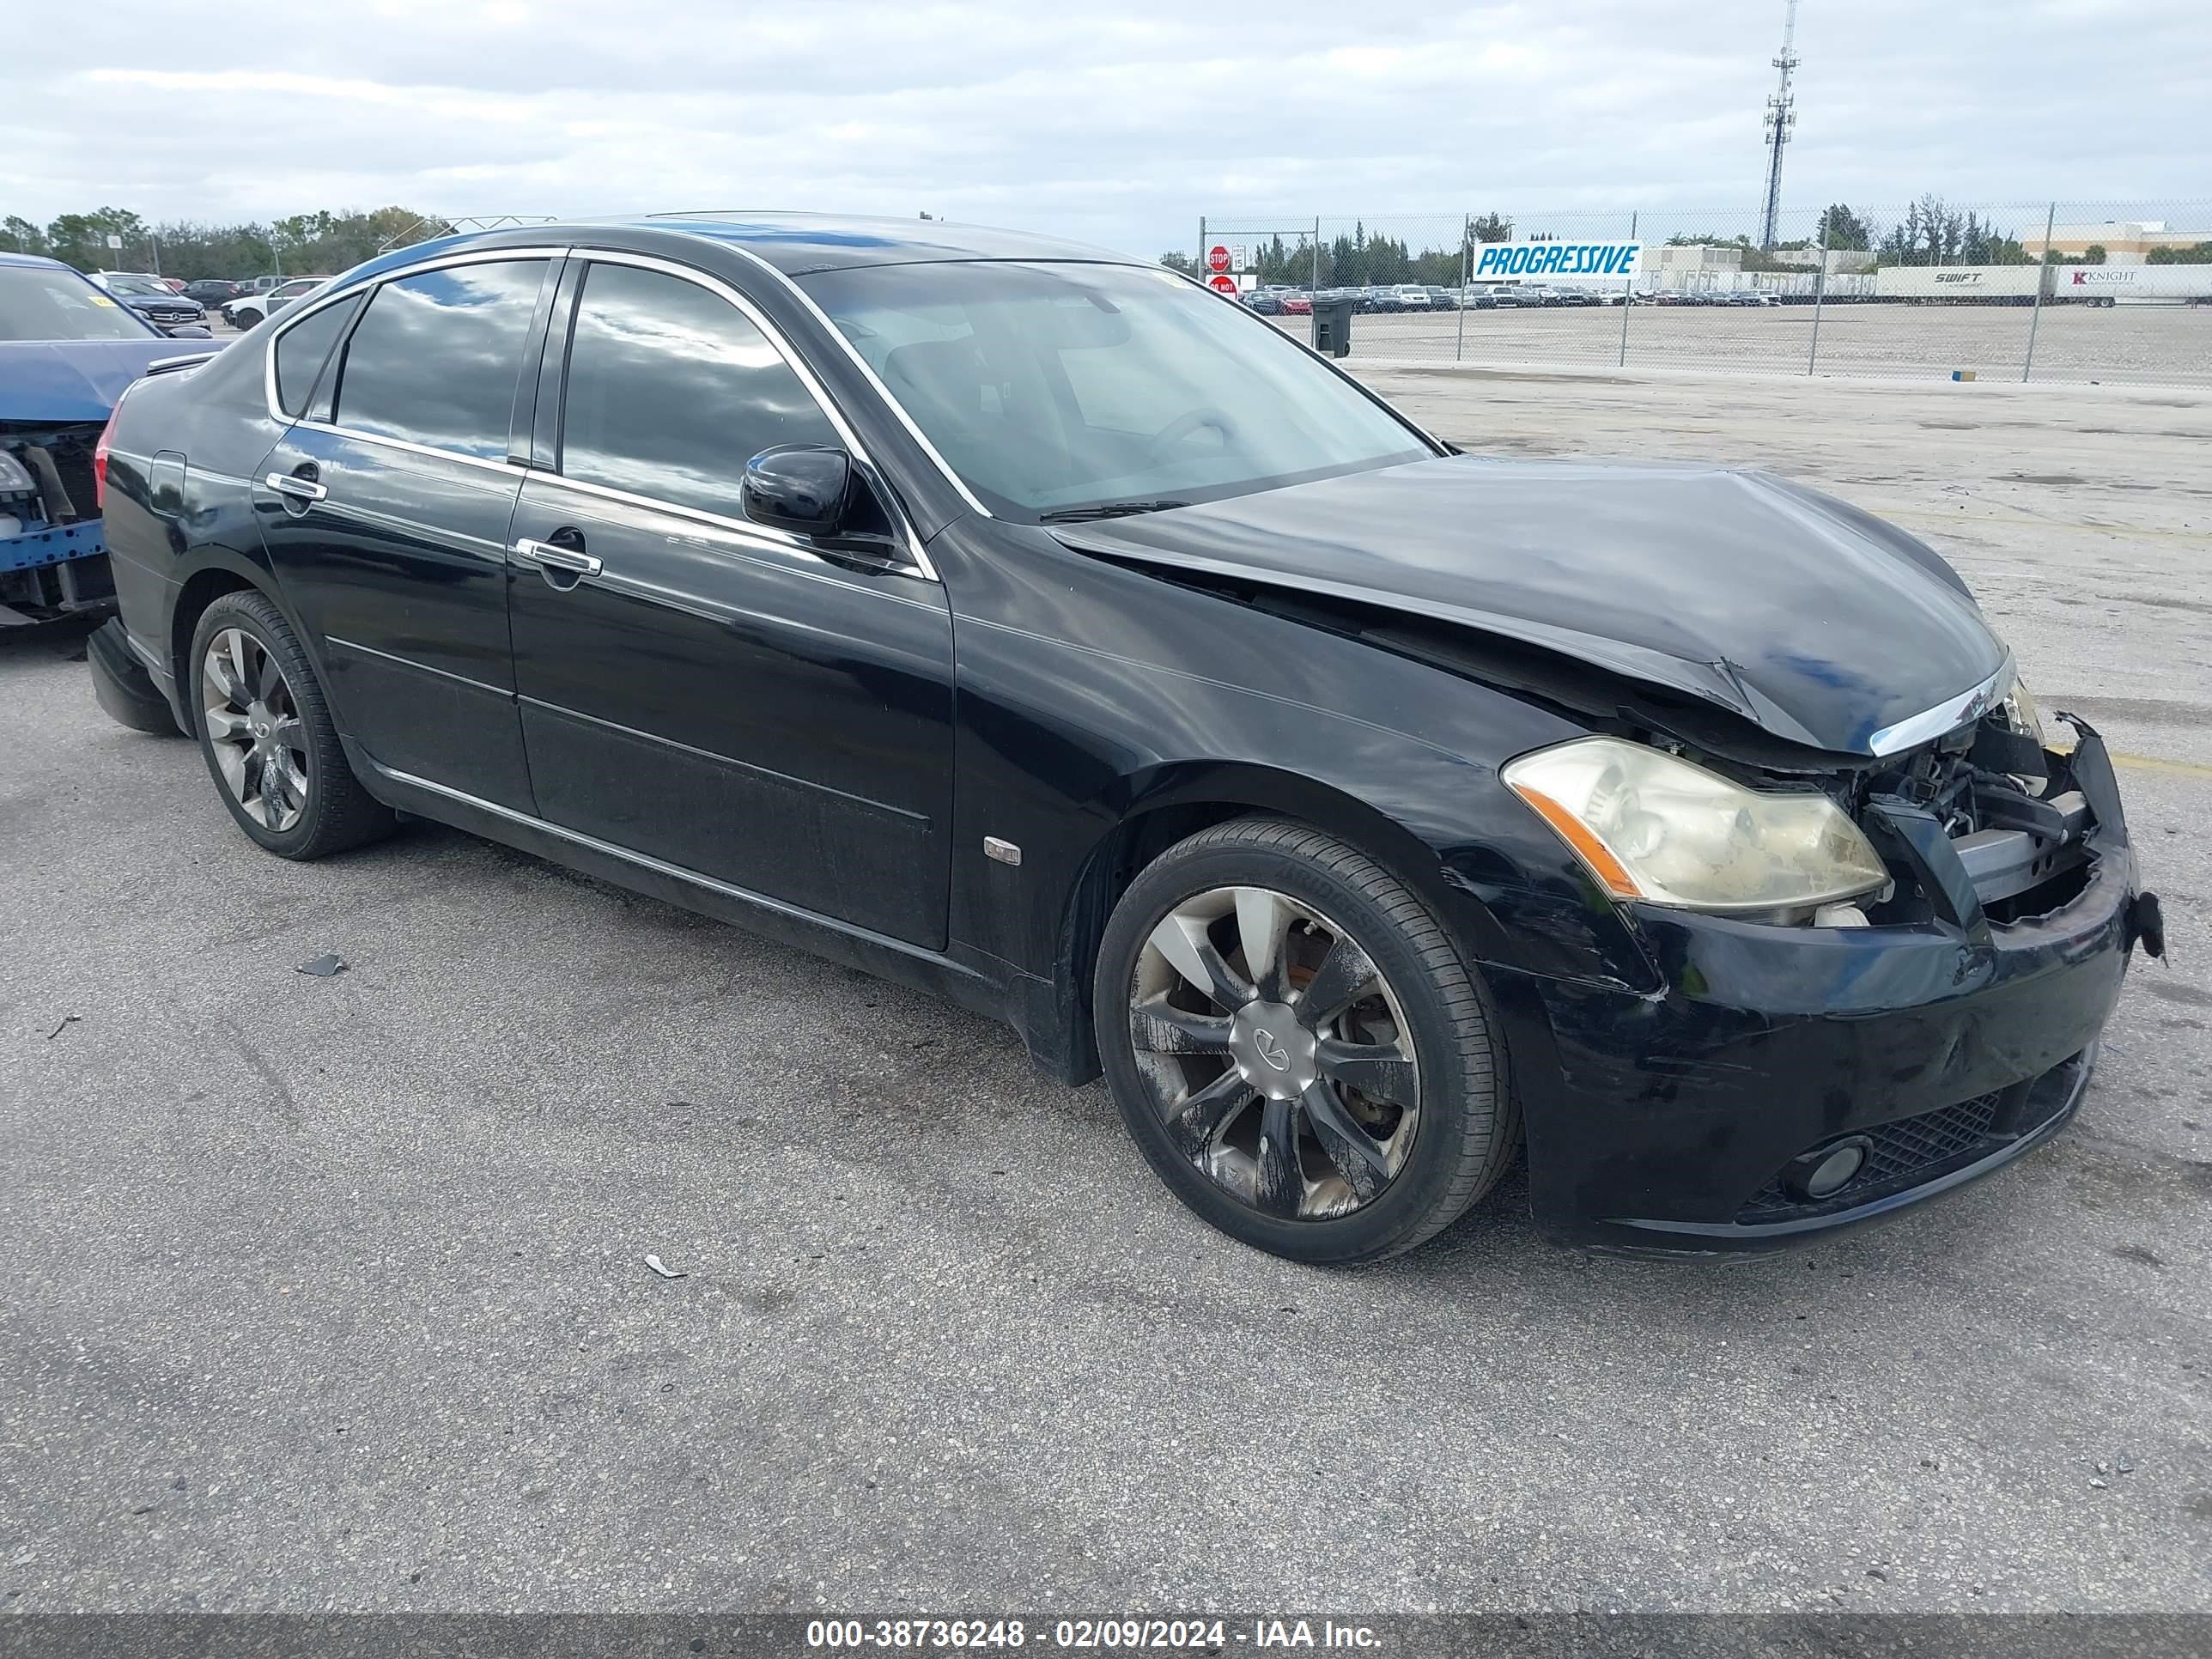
[1507, 262]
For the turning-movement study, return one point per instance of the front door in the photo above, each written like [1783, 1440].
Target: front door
[715, 695]
[385, 509]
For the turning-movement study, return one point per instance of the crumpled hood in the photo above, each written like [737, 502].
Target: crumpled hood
[61, 381]
[1817, 621]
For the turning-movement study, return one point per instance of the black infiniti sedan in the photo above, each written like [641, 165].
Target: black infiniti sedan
[1040, 628]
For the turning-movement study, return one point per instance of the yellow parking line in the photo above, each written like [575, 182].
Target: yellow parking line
[2148, 763]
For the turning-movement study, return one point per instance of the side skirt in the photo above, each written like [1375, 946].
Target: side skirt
[974, 980]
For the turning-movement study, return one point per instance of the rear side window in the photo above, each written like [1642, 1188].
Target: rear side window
[434, 359]
[303, 348]
[671, 390]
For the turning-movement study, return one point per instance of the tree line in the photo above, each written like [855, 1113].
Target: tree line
[1930, 232]
[1359, 260]
[306, 244]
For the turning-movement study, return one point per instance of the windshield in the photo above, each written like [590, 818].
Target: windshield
[37, 302]
[1053, 388]
[136, 285]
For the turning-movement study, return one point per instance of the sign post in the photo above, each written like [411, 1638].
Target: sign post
[2043, 276]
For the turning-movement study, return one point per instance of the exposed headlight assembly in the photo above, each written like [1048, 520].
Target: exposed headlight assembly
[1655, 828]
[2021, 715]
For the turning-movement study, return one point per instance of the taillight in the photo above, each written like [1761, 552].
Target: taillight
[99, 462]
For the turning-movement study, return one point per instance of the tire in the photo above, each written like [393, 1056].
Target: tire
[1412, 1064]
[265, 733]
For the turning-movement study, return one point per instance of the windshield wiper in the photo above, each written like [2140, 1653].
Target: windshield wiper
[1105, 510]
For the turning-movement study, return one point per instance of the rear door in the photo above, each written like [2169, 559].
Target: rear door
[385, 508]
[734, 700]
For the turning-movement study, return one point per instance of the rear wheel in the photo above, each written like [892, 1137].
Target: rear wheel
[267, 736]
[1296, 1047]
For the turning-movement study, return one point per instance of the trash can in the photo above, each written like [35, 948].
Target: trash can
[1332, 326]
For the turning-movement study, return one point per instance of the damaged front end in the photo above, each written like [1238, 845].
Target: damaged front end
[1760, 1075]
[52, 556]
[1800, 1071]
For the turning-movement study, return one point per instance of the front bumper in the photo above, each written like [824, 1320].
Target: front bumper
[1675, 1122]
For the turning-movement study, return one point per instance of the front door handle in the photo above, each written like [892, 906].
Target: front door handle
[549, 557]
[300, 489]
[559, 557]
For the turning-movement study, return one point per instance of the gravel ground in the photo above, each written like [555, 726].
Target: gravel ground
[2155, 344]
[330, 1292]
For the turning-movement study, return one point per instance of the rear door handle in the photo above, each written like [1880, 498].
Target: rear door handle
[553, 555]
[300, 489]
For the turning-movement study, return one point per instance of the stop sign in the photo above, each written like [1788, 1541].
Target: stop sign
[1217, 257]
[1222, 283]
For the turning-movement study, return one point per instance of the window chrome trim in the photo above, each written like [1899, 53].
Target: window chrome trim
[1945, 716]
[763, 536]
[920, 561]
[896, 408]
[505, 469]
[784, 350]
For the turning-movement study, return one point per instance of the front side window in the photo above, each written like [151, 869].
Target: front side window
[1056, 388]
[45, 302]
[671, 390]
[434, 359]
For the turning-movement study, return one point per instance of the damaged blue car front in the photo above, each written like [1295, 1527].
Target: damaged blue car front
[68, 353]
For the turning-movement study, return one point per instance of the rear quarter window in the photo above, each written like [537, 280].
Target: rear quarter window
[303, 348]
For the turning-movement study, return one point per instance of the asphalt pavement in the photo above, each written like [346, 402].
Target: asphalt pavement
[332, 1292]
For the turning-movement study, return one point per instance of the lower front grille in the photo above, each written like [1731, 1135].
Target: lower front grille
[1913, 1151]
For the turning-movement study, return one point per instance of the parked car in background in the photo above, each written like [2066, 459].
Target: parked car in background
[1262, 301]
[1443, 299]
[1350, 801]
[1479, 296]
[155, 300]
[69, 351]
[1578, 295]
[1297, 305]
[1410, 296]
[1514, 296]
[250, 308]
[214, 290]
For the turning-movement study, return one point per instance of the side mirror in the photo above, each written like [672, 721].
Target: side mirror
[799, 489]
[191, 332]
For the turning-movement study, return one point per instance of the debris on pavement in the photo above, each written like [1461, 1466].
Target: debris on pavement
[324, 966]
[662, 1268]
[68, 1020]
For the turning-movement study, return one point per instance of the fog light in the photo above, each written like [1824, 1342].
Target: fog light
[1824, 1173]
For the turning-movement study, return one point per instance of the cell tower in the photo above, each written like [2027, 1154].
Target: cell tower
[1781, 120]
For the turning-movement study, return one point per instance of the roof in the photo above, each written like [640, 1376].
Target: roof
[11, 258]
[796, 243]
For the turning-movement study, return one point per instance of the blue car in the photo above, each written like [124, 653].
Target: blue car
[68, 353]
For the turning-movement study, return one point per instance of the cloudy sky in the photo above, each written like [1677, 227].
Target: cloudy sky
[1118, 121]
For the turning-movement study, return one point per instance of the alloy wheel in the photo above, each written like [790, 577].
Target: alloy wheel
[1276, 1054]
[253, 728]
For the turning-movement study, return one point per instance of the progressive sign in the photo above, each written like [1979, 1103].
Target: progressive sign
[1504, 262]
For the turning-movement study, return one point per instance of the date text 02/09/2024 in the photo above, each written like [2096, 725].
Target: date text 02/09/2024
[1110, 1634]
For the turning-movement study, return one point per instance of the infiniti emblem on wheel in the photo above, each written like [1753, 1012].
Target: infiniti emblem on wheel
[1270, 1050]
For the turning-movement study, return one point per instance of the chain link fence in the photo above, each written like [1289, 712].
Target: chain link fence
[2048, 291]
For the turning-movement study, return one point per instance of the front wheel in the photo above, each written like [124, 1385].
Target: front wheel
[1296, 1046]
